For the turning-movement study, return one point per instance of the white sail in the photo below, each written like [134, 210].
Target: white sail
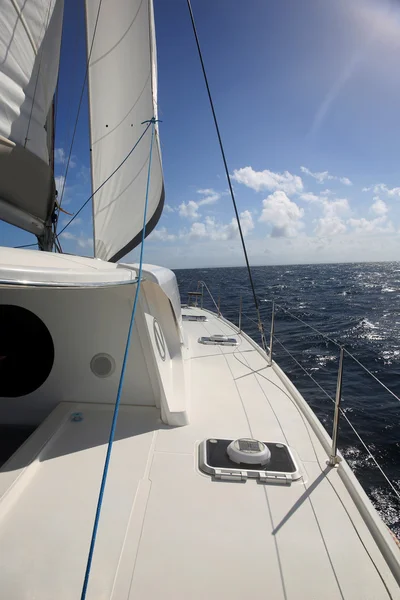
[122, 94]
[30, 36]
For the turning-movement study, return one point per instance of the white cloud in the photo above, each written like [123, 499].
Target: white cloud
[379, 207]
[283, 214]
[319, 176]
[82, 240]
[310, 197]
[68, 235]
[60, 158]
[215, 231]
[335, 207]
[380, 188]
[329, 226]
[330, 207]
[74, 223]
[268, 180]
[378, 225]
[59, 181]
[197, 231]
[168, 208]
[85, 242]
[161, 234]
[189, 210]
[322, 176]
[210, 196]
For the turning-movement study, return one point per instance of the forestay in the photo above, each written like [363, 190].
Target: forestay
[30, 36]
[122, 94]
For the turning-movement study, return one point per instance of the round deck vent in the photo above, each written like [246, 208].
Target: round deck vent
[102, 365]
[248, 451]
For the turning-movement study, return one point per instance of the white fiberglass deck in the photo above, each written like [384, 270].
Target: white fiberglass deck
[168, 531]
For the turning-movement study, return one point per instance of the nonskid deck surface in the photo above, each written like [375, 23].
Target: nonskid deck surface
[170, 531]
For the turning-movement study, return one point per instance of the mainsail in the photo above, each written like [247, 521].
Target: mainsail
[122, 94]
[30, 36]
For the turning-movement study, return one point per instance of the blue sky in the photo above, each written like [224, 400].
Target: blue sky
[307, 94]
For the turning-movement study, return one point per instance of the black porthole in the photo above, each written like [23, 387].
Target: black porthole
[26, 351]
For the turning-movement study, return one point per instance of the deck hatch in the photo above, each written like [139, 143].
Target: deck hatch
[215, 461]
[201, 318]
[218, 340]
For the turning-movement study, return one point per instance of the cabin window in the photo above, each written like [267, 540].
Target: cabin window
[26, 351]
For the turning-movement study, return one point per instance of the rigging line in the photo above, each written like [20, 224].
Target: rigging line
[343, 414]
[372, 375]
[27, 245]
[121, 381]
[260, 324]
[104, 182]
[324, 335]
[79, 107]
[44, 28]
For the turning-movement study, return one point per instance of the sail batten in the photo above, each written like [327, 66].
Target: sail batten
[122, 95]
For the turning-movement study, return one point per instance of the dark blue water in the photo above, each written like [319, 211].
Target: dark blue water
[356, 304]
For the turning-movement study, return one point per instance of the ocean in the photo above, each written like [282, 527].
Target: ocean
[359, 306]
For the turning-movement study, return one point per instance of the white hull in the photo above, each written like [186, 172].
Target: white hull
[168, 529]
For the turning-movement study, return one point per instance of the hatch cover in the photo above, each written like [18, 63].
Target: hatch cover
[215, 460]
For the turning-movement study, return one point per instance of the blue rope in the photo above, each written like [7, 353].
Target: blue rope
[121, 383]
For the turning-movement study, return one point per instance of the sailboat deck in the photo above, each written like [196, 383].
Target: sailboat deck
[169, 531]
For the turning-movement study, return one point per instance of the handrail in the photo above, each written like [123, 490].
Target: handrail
[67, 284]
[203, 283]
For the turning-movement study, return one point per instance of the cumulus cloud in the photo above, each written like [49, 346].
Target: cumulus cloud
[210, 196]
[268, 180]
[310, 197]
[211, 229]
[82, 240]
[382, 188]
[77, 221]
[168, 208]
[329, 226]
[161, 234]
[60, 158]
[322, 176]
[379, 207]
[189, 210]
[60, 182]
[378, 225]
[283, 214]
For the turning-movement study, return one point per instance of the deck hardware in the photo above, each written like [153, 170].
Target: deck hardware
[271, 337]
[201, 318]
[218, 340]
[192, 298]
[76, 417]
[215, 460]
[334, 459]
